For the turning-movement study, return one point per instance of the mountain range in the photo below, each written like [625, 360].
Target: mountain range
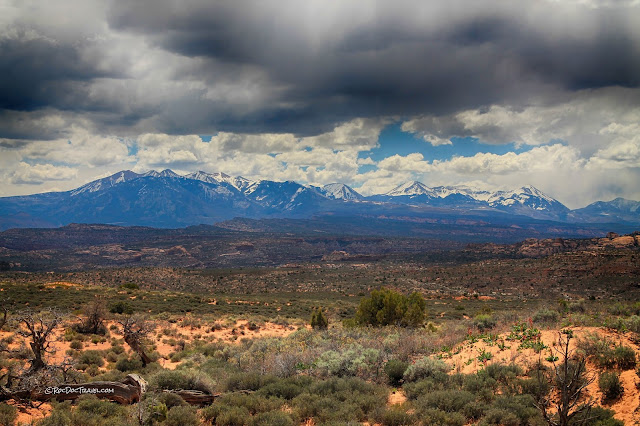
[168, 200]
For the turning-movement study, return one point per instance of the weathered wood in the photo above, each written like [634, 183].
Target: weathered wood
[194, 397]
[126, 392]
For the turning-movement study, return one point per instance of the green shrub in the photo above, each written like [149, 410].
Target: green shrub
[424, 368]
[388, 307]
[610, 385]
[272, 418]
[253, 403]
[129, 364]
[250, 381]
[318, 320]
[578, 306]
[182, 415]
[414, 390]
[522, 406]
[484, 322]
[180, 379]
[91, 358]
[446, 400]
[633, 323]
[497, 416]
[597, 416]
[546, 316]
[8, 414]
[625, 357]
[233, 416]
[171, 400]
[121, 308]
[287, 388]
[397, 417]
[94, 411]
[395, 371]
[76, 344]
[432, 416]
[130, 286]
[354, 360]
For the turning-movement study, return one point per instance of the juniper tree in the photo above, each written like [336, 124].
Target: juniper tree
[318, 320]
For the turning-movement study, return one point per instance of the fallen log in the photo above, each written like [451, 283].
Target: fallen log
[194, 397]
[126, 392]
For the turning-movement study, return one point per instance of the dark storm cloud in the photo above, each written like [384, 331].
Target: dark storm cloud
[303, 67]
[387, 65]
[38, 73]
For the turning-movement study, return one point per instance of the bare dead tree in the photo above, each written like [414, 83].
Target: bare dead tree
[136, 329]
[95, 314]
[568, 380]
[37, 328]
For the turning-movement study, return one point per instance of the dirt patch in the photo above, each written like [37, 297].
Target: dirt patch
[397, 397]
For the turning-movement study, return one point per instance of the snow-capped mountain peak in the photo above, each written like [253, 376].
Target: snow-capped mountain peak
[238, 182]
[165, 173]
[108, 182]
[411, 188]
[340, 191]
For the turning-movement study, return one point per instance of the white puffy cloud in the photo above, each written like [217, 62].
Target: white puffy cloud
[81, 148]
[40, 173]
[588, 120]
[360, 134]
[410, 163]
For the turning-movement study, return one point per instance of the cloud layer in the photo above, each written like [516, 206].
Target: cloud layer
[304, 90]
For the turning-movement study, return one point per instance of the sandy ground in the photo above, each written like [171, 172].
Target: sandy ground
[627, 408]
[396, 397]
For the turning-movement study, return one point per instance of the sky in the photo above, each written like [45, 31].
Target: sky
[496, 94]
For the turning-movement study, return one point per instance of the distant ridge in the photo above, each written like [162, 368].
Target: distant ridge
[167, 199]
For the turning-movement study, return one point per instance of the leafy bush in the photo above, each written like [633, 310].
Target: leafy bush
[318, 320]
[287, 388]
[498, 416]
[397, 417]
[431, 416]
[182, 415]
[272, 418]
[8, 414]
[633, 324]
[446, 400]
[336, 399]
[610, 385]
[180, 379]
[89, 411]
[424, 368]
[387, 307]
[546, 316]
[171, 400]
[484, 322]
[521, 406]
[91, 358]
[129, 364]
[355, 360]
[395, 371]
[625, 357]
[597, 416]
[250, 381]
[233, 416]
[121, 308]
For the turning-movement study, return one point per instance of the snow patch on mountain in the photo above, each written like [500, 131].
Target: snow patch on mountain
[340, 191]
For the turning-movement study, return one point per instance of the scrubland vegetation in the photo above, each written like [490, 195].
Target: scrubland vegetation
[373, 343]
[346, 373]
